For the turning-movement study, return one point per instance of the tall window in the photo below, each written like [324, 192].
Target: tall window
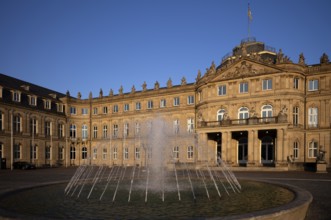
[1, 121]
[72, 153]
[105, 131]
[16, 96]
[33, 126]
[176, 126]
[61, 153]
[126, 129]
[34, 152]
[312, 149]
[137, 153]
[222, 90]
[95, 153]
[72, 110]
[115, 131]
[84, 152]
[190, 100]
[105, 110]
[115, 153]
[190, 152]
[84, 111]
[72, 132]
[60, 130]
[295, 150]
[48, 128]
[267, 84]
[95, 111]
[266, 111]
[190, 125]
[17, 151]
[115, 108]
[243, 87]
[59, 107]
[313, 85]
[295, 116]
[17, 123]
[220, 114]
[296, 83]
[176, 152]
[84, 132]
[47, 104]
[149, 104]
[176, 101]
[137, 129]
[243, 113]
[104, 153]
[1, 150]
[126, 153]
[33, 100]
[138, 106]
[126, 107]
[163, 103]
[48, 153]
[95, 131]
[313, 117]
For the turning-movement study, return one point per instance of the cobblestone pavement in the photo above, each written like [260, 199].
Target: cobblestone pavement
[319, 185]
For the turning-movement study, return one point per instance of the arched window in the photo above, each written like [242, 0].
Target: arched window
[84, 132]
[84, 153]
[266, 111]
[243, 113]
[220, 115]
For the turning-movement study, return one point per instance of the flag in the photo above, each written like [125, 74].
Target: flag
[249, 13]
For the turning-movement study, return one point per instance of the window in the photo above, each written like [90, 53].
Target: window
[267, 84]
[295, 116]
[17, 151]
[1, 150]
[138, 106]
[95, 111]
[105, 131]
[34, 152]
[95, 153]
[149, 104]
[47, 104]
[33, 126]
[1, 121]
[243, 113]
[84, 132]
[222, 90]
[312, 149]
[104, 153]
[48, 129]
[176, 101]
[126, 130]
[137, 153]
[266, 111]
[33, 100]
[190, 100]
[220, 115]
[105, 110]
[137, 129]
[313, 85]
[61, 153]
[190, 125]
[17, 124]
[59, 107]
[95, 131]
[48, 153]
[84, 152]
[126, 153]
[72, 153]
[296, 150]
[16, 96]
[84, 111]
[296, 83]
[243, 87]
[176, 152]
[176, 126]
[60, 130]
[126, 107]
[163, 103]
[115, 153]
[190, 152]
[72, 132]
[115, 131]
[72, 110]
[313, 117]
[115, 108]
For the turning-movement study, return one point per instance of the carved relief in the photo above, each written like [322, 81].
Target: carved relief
[243, 70]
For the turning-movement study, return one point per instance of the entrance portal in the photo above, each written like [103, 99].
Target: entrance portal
[267, 138]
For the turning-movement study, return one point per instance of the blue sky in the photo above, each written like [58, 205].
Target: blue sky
[85, 45]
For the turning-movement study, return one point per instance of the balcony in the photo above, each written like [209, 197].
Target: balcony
[241, 122]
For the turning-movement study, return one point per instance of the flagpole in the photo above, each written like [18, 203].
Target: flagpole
[249, 19]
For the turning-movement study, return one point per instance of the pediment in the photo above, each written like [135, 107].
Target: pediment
[245, 68]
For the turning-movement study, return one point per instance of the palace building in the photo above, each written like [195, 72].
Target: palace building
[256, 109]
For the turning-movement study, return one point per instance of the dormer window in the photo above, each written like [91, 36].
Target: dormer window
[59, 107]
[16, 96]
[25, 87]
[33, 100]
[47, 104]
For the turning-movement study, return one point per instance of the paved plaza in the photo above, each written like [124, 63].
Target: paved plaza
[319, 185]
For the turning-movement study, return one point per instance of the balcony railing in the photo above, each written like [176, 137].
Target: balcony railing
[241, 122]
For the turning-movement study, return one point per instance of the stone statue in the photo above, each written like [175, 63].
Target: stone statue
[156, 85]
[111, 92]
[133, 89]
[324, 59]
[144, 86]
[198, 76]
[79, 95]
[282, 116]
[280, 57]
[301, 59]
[321, 155]
[121, 90]
[183, 81]
[90, 95]
[68, 93]
[169, 83]
[100, 93]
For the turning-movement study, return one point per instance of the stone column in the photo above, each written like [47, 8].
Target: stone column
[251, 148]
[280, 145]
[225, 153]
